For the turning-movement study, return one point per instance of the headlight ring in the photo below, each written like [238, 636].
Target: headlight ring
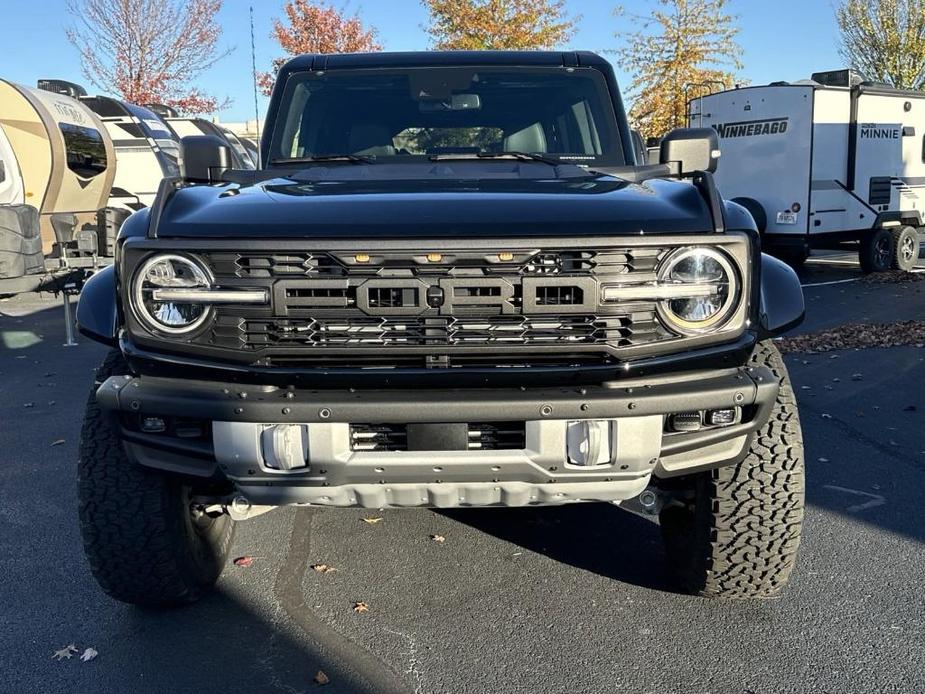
[714, 276]
[170, 271]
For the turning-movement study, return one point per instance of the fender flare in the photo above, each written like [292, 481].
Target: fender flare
[97, 308]
[782, 306]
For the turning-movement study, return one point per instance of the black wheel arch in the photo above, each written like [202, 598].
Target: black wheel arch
[781, 306]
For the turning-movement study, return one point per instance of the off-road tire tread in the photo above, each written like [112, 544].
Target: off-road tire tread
[133, 535]
[740, 537]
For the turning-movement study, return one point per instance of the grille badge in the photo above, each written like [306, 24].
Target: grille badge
[435, 296]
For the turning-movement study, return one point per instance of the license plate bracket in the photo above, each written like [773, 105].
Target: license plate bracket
[430, 436]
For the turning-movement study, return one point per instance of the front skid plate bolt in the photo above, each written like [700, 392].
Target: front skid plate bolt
[324, 413]
[546, 410]
[739, 398]
[287, 410]
[135, 405]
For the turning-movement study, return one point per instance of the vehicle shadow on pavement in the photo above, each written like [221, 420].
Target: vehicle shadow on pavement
[600, 538]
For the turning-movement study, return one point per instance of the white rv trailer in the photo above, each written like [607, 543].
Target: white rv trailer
[146, 150]
[829, 162]
[184, 127]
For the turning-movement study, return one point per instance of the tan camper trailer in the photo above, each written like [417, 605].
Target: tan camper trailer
[62, 154]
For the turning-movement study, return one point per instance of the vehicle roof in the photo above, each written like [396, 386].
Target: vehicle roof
[434, 58]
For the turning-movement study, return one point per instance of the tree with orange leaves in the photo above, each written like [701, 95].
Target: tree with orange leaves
[498, 24]
[149, 51]
[316, 27]
[682, 51]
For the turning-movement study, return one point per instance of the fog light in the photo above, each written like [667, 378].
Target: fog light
[589, 442]
[153, 425]
[685, 421]
[285, 446]
[721, 418]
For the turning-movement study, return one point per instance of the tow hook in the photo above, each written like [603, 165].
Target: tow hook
[238, 507]
[651, 501]
[241, 509]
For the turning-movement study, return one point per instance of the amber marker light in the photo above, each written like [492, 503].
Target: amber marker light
[434, 257]
[361, 258]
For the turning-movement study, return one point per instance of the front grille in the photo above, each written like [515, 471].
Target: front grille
[487, 436]
[626, 330]
[529, 306]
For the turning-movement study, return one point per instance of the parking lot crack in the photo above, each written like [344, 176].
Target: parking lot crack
[354, 662]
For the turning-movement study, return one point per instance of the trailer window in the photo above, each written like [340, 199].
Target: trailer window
[85, 149]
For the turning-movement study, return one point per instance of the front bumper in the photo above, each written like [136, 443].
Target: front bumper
[336, 474]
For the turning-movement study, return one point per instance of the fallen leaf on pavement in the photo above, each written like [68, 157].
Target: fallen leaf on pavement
[360, 607]
[372, 520]
[28, 404]
[89, 654]
[66, 652]
[438, 539]
[57, 442]
[244, 561]
[323, 568]
[321, 678]
[825, 415]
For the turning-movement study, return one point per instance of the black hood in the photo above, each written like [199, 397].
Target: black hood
[443, 199]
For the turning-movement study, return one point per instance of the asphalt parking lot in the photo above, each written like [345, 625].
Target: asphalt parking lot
[557, 600]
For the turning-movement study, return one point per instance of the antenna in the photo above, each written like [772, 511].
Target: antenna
[254, 75]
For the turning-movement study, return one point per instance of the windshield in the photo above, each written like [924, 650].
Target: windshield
[410, 114]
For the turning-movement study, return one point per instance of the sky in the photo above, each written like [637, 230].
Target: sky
[782, 40]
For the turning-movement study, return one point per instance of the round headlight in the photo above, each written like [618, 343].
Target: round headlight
[169, 272]
[706, 290]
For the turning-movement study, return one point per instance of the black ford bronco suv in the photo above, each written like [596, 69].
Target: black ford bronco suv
[452, 283]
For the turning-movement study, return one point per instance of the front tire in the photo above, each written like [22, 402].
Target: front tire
[143, 543]
[738, 537]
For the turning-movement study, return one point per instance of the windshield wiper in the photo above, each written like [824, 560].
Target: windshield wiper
[319, 158]
[520, 156]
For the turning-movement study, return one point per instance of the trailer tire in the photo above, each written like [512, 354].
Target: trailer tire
[756, 210]
[739, 534]
[794, 256]
[905, 248]
[142, 542]
[877, 251]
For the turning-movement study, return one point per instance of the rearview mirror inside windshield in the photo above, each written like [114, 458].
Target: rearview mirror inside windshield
[457, 102]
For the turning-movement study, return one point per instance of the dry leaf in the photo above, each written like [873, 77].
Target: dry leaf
[57, 442]
[372, 520]
[360, 607]
[826, 415]
[323, 568]
[66, 652]
[438, 539]
[244, 561]
[321, 678]
[28, 404]
[89, 654]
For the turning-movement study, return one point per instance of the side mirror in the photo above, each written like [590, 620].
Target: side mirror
[204, 158]
[689, 150]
